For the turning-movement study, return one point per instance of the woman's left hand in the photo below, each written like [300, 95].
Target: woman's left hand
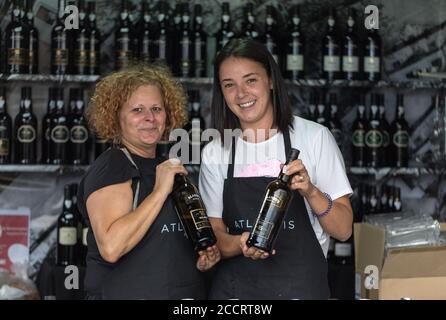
[208, 258]
[301, 180]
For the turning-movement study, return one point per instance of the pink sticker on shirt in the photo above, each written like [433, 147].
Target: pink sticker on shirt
[269, 168]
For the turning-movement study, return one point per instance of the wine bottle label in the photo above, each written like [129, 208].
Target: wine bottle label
[273, 201]
[61, 57]
[350, 64]
[93, 58]
[198, 57]
[4, 147]
[358, 138]
[60, 134]
[263, 229]
[67, 236]
[161, 44]
[331, 63]
[401, 139]
[78, 134]
[17, 56]
[373, 202]
[84, 236]
[397, 205]
[123, 58]
[26, 133]
[200, 218]
[294, 62]
[371, 64]
[82, 58]
[343, 249]
[374, 138]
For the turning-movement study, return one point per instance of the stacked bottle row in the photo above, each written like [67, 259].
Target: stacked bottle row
[74, 50]
[174, 38]
[72, 231]
[369, 199]
[374, 142]
[65, 135]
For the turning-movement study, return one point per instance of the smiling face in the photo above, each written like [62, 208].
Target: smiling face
[246, 88]
[143, 120]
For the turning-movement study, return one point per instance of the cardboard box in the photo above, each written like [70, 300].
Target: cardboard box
[415, 273]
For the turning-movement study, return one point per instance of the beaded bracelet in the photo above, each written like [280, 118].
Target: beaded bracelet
[330, 205]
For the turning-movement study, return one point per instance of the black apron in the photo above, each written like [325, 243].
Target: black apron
[299, 268]
[162, 265]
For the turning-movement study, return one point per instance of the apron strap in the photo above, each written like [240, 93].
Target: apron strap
[287, 141]
[135, 198]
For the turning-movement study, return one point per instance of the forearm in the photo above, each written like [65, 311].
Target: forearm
[125, 233]
[338, 222]
[228, 244]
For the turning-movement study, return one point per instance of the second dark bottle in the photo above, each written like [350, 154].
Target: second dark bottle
[277, 198]
[192, 213]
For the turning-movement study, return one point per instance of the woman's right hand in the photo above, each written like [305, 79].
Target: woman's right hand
[252, 252]
[165, 173]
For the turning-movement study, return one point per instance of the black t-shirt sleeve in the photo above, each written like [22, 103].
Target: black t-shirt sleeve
[111, 167]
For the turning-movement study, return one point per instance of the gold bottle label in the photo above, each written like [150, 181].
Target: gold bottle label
[263, 229]
[200, 218]
[4, 147]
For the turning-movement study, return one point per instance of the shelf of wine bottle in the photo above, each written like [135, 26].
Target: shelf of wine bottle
[49, 78]
[385, 171]
[41, 168]
[408, 84]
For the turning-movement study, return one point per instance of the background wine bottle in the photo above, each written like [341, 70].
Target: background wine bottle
[270, 36]
[272, 213]
[185, 50]
[161, 42]
[333, 122]
[25, 130]
[295, 45]
[373, 136]
[225, 33]
[94, 40]
[144, 29]
[5, 129]
[400, 135]
[372, 56]
[124, 42]
[195, 126]
[78, 128]
[16, 42]
[358, 135]
[46, 123]
[385, 129]
[33, 47]
[199, 44]
[331, 50]
[59, 132]
[81, 43]
[249, 26]
[192, 213]
[100, 145]
[67, 225]
[351, 50]
[60, 44]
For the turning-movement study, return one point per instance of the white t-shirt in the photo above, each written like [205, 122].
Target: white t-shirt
[318, 151]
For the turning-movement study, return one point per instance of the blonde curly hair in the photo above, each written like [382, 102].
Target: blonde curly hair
[114, 90]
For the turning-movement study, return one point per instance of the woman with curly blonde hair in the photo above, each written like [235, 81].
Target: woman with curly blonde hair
[137, 248]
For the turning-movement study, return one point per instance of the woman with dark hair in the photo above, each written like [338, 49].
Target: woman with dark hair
[136, 246]
[249, 94]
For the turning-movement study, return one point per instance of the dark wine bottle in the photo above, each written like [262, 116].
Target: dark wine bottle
[33, 47]
[270, 36]
[17, 42]
[225, 33]
[277, 198]
[78, 128]
[249, 27]
[373, 136]
[124, 41]
[145, 36]
[25, 132]
[185, 41]
[400, 135]
[294, 59]
[67, 225]
[198, 44]
[161, 42]
[81, 43]
[331, 50]
[192, 213]
[358, 135]
[100, 145]
[385, 129]
[60, 44]
[195, 126]
[59, 132]
[372, 56]
[351, 50]
[94, 49]
[5, 129]
[46, 123]
[333, 122]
